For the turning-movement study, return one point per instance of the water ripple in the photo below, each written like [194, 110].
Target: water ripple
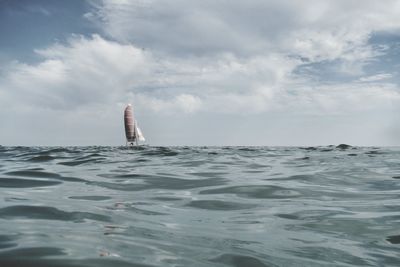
[218, 205]
[48, 213]
[256, 191]
[25, 183]
[199, 206]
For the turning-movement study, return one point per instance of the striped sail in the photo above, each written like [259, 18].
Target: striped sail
[132, 131]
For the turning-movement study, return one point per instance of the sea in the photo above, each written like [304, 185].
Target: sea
[199, 206]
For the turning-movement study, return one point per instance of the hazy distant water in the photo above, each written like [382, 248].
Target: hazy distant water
[191, 206]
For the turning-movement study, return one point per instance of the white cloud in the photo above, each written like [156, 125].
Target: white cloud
[181, 103]
[186, 58]
[377, 77]
[95, 71]
[86, 71]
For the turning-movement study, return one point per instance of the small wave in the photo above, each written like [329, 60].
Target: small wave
[90, 156]
[208, 174]
[145, 212]
[8, 241]
[374, 152]
[237, 260]
[94, 198]
[25, 183]
[176, 183]
[42, 158]
[49, 213]
[34, 173]
[162, 182]
[256, 191]
[167, 198]
[218, 205]
[160, 151]
[249, 149]
[29, 253]
[41, 174]
[45, 257]
[128, 176]
[79, 162]
[62, 150]
[287, 216]
[297, 177]
[325, 255]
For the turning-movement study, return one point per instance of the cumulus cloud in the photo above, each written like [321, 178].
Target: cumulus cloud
[83, 72]
[96, 71]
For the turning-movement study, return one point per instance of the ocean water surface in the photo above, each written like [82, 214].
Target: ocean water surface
[199, 206]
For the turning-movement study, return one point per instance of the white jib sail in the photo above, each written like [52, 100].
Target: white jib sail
[139, 133]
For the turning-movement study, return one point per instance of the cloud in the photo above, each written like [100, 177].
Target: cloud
[86, 71]
[205, 60]
[316, 30]
[191, 56]
[377, 77]
[181, 103]
[95, 71]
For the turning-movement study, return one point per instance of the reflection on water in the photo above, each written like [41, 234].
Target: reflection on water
[199, 206]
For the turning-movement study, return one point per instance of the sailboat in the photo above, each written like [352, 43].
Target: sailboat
[132, 131]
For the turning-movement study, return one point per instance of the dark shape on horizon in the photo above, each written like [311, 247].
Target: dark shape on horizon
[394, 239]
[343, 146]
[132, 132]
[310, 148]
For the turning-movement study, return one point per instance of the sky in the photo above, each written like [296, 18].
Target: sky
[209, 72]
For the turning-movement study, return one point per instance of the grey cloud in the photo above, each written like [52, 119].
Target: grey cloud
[185, 27]
[317, 30]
